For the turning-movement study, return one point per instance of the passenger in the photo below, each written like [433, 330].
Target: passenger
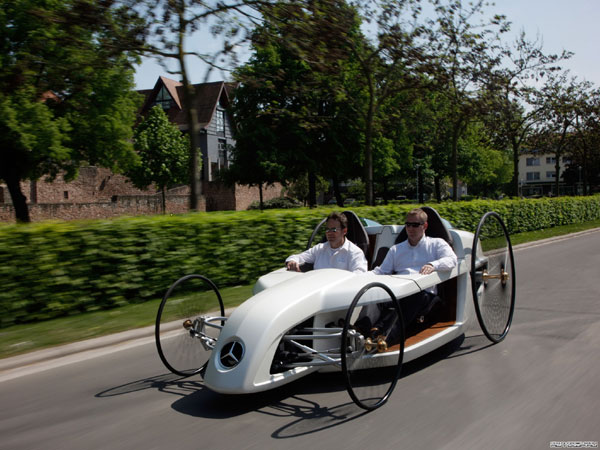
[419, 254]
[338, 252]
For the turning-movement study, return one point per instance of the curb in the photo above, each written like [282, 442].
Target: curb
[103, 342]
[39, 356]
[88, 345]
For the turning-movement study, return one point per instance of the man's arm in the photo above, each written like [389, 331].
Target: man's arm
[358, 262]
[387, 266]
[293, 262]
[446, 258]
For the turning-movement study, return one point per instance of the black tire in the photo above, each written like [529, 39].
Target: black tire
[177, 331]
[371, 374]
[493, 277]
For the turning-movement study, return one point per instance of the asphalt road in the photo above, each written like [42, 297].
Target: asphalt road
[538, 386]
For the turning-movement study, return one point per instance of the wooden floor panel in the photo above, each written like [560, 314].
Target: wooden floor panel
[428, 332]
[422, 335]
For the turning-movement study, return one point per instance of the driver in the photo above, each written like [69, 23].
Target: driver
[337, 253]
[419, 254]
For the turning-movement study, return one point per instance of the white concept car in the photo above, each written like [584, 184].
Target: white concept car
[297, 323]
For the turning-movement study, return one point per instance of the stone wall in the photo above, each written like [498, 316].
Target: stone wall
[108, 195]
[94, 184]
[127, 205]
[246, 195]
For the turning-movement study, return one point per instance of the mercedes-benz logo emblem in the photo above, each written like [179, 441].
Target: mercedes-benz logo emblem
[231, 354]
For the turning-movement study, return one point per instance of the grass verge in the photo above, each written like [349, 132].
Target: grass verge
[25, 338]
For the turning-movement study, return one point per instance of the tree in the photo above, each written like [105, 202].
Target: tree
[485, 169]
[429, 132]
[466, 57]
[169, 24]
[511, 92]
[299, 188]
[389, 63]
[288, 109]
[66, 90]
[560, 99]
[585, 151]
[163, 151]
[254, 159]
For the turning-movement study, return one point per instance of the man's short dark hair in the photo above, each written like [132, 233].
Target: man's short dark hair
[340, 217]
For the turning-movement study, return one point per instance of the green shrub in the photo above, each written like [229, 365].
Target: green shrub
[277, 203]
[52, 269]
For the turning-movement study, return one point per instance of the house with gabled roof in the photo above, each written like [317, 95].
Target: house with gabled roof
[212, 101]
[99, 193]
[216, 137]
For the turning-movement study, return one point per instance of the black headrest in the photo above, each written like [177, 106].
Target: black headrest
[356, 232]
[435, 227]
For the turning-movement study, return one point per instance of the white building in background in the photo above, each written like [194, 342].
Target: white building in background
[537, 174]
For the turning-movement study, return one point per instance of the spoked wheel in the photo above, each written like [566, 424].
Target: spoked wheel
[185, 335]
[372, 359]
[493, 277]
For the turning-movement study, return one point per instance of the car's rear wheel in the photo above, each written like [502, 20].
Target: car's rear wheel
[372, 359]
[184, 333]
[493, 277]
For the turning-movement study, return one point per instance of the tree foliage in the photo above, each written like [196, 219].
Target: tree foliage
[290, 108]
[513, 110]
[169, 25]
[66, 90]
[163, 152]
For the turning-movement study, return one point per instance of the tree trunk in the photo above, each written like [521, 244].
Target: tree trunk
[515, 180]
[386, 193]
[192, 120]
[454, 163]
[336, 192]
[312, 190]
[559, 152]
[437, 188]
[164, 199]
[369, 153]
[260, 196]
[18, 199]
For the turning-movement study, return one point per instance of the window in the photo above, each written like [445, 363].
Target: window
[1, 194]
[222, 154]
[220, 121]
[550, 160]
[66, 194]
[551, 174]
[163, 99]
[566, 160]
[533, 176]
[533, 161]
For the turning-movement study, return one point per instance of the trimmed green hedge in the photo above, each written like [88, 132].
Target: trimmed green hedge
[51, 269]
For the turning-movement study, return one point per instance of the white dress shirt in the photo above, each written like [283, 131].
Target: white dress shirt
[347, 257]
[403, 258]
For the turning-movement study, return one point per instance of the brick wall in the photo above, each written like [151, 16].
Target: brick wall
[94, 184]
[130, 205]
[246, 195]
[107, 195]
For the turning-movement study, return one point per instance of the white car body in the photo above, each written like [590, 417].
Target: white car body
[284, 299]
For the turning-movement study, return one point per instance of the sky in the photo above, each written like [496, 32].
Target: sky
[561, 24]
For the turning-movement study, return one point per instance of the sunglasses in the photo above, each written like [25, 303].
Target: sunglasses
[332, 230]
[413, 224]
